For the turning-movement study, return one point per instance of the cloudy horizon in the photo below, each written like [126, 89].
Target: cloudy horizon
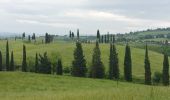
[58, 17]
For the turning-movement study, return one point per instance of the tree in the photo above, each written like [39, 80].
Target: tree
[12, 66]
[7, 57]
[147, 68]
[128, 64]
[105, 38]
[59, 68]
[102, 39]
[165, 72]
[36, 63]
[1, 67]
[24, 60]
[78, 34]
[113, 63]
[29, 38]
[108, 37]
[97, 68]
[44, 65]
[79, 63]
[23, 35]
[70, 35]
[98, 36]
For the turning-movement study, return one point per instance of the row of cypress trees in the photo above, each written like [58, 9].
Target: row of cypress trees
[97, 69]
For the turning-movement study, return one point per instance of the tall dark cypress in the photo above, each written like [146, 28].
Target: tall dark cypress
[1, 67]
[147, 68]
[78, 34]
[97, 68]
[105, 38]
[79, 63]
[36, 63]
[165, 72]
[102, 39]
[98, 36]
[12, 66]
[128, 64]
[7, 57]
[59, 68]
[113, 63]
[24, 62]
[70, 35]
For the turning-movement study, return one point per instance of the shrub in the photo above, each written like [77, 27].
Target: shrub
[66, 70]
[157, 77]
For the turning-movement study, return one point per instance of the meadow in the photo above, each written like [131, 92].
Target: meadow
[64, 50]
[30, 86]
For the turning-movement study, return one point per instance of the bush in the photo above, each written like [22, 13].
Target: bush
[66, 70]
[157, 77]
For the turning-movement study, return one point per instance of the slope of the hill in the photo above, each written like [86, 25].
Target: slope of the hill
[65, 51]
[29, 86]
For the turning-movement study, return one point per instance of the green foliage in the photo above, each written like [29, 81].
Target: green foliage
[157, 77]
[66, 70]
[44, 64]
[97, 69]
[24, 60]
[12, 66]
[1, 67]
[113, 63]
[147, 68]
[7, 56]
[78, 34]
[98, 35]
[128, 64]
[59, 68]
[165, 72]
[36, 63]
[79, 63]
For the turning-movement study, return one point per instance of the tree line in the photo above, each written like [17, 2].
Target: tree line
[96, 70]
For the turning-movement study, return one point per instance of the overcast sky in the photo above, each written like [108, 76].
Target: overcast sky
[60, 16]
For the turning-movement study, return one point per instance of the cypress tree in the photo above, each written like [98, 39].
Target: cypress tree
[59, 69]
[165, 72]
[29, 38]
[128, 64]
[147, 68]
[7, 56]
[1, 67]
[44, 65]
[108, 38]
[113, 63]
[79, 63]
[98, 36]
[78, 34]
[36, 63]
[70, 35]
[97, 68]
[24, 62]
[12, 66]
[105, 38]
[102, 39]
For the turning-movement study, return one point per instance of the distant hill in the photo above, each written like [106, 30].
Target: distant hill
[147, 34]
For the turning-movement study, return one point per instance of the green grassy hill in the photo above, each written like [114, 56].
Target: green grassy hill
[65, 51]
[29, 86]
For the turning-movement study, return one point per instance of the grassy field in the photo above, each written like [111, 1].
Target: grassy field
[29, 86]
[65, 51]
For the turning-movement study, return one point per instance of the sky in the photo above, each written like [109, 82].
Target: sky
[60, 16]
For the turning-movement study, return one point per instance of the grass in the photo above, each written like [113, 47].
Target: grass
[29, 86]
[65, 51]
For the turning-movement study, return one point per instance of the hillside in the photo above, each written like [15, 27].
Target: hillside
[28, 86]
[65, 51]
[150, 34]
